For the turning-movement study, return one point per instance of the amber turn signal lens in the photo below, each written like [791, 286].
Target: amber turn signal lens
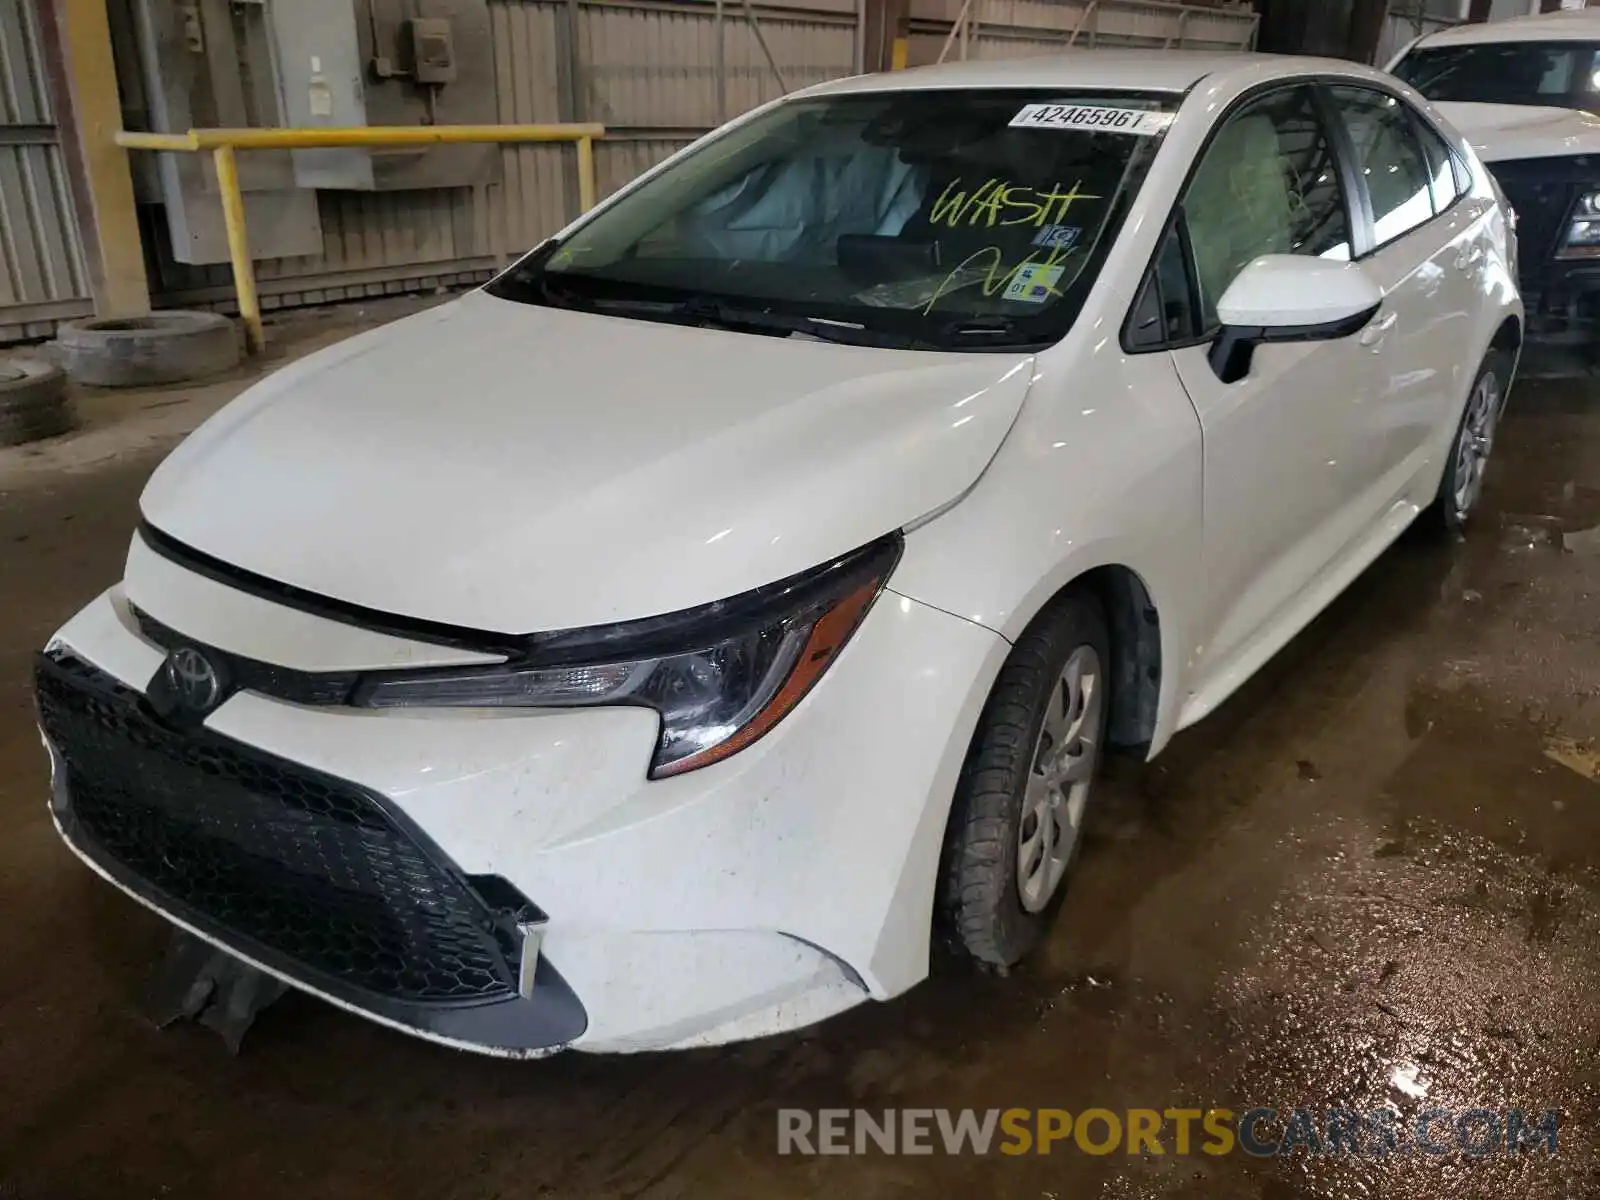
[828, 637]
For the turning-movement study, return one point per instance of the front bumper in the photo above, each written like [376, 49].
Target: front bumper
[1544, 193]
[315, 880]
[1555, 282]
[760, 894]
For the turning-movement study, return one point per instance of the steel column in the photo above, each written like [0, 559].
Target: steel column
[77, 37]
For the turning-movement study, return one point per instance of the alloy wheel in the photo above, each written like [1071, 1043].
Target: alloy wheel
[1064, 762]
[1475, 442]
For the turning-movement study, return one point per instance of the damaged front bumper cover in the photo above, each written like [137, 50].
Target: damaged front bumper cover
[312, 881]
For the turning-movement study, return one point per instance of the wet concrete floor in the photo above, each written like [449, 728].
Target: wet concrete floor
[1372, 880]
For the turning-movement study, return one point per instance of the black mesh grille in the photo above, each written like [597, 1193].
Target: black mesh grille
[1543, 191]
[305, 865]
[1541, 206]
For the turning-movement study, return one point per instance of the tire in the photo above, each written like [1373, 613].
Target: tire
[1461, 485]
[164, 347]
[989, 908]
[33, 401]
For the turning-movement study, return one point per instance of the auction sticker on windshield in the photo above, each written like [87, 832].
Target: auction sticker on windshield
[1092, 117]
[1034, 283]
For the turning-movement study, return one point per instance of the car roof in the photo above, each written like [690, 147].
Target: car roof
[1110, 70]
[1568, 25]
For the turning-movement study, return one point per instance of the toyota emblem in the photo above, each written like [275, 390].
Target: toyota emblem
[194, 681]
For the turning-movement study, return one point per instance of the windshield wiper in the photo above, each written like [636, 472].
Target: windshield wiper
[527, 287]
[986, 331]
[707, 311]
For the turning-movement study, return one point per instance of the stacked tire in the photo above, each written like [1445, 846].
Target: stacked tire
[33, 401]
[160, 348]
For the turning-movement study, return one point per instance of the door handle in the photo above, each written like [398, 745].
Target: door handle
[1468, 257]
[1374, 334]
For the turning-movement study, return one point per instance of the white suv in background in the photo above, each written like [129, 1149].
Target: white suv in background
[1526, 93]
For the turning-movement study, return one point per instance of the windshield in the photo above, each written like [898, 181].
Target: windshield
[929, 219]
[1556, 74]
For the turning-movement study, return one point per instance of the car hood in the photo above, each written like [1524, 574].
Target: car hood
[510, 468]
[1500, 132]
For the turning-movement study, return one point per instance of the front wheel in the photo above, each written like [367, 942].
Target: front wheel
[1019, 808]
[1462, 484]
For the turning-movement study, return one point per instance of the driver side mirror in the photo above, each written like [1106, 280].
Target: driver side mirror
[1289, 298]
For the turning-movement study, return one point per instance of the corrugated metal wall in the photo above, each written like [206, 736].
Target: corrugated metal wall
[1399, 29]
[1020, 28]
[645, 69]
[42, 278]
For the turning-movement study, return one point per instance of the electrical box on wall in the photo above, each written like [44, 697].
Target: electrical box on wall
[185, 64]
[387, 62]
[433, 52]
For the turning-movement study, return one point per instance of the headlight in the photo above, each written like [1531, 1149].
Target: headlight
[1582, 238]
[720, 676]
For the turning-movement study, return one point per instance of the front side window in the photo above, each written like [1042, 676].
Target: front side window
[1163, 315]
[969, 219]
[1559, 74]
[1389, 156]
[1268, 183]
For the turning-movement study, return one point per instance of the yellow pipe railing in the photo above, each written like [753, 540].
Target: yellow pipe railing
[225, 143]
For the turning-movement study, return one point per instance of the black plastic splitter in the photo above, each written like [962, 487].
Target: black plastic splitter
[198, 982]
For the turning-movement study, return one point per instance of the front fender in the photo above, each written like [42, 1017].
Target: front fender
[1103, 468]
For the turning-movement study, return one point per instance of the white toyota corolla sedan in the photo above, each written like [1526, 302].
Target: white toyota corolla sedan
[662, 645]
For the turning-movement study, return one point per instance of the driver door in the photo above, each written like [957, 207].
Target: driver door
[1289, 450]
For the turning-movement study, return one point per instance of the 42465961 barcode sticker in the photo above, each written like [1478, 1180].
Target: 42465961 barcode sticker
[1095, 118]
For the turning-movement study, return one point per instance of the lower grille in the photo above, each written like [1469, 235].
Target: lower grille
[1543, 192]
[264, 853]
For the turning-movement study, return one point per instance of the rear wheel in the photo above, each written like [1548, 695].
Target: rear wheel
[1468, 462]
[1019, 809]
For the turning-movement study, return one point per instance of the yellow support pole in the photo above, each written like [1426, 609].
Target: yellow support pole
[138, 140]
[586, 178]
[899, 54]
[244, 271]
[225, 143]
[359, 135]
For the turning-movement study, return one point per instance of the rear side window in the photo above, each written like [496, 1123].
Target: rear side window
[1442, 167]
[1268, 183]
[1389, 158]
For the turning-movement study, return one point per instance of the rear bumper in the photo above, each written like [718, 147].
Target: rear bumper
[761, 894]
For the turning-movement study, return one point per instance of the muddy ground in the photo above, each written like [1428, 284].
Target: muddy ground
[1371, 880]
